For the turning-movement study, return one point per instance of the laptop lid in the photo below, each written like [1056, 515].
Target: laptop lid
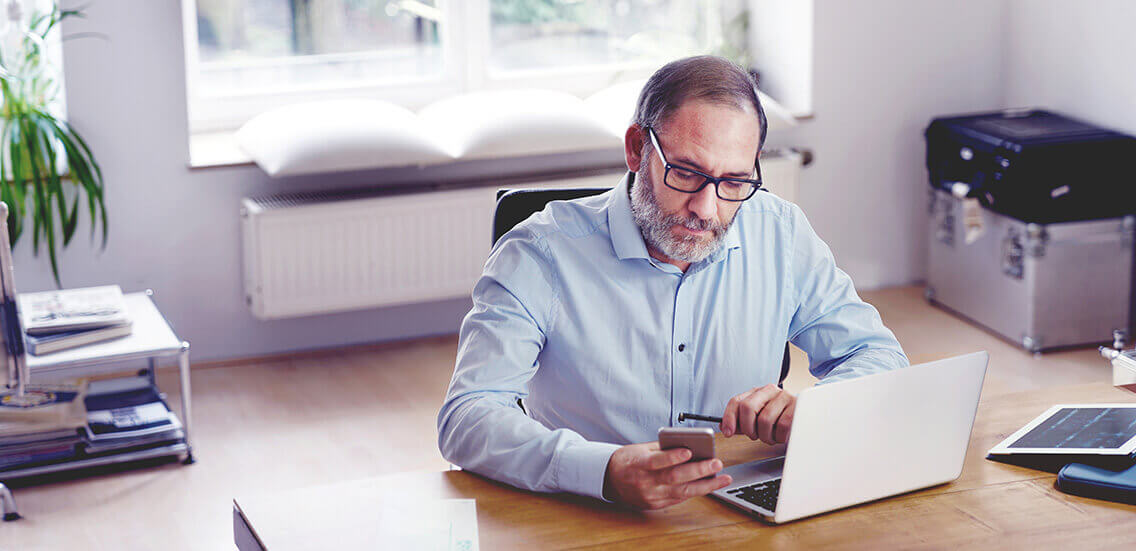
[879, 435]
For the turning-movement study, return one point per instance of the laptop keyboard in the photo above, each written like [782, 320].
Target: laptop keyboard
[763, 494]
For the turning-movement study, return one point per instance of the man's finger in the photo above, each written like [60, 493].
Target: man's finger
[737, 422]
[785, 423]
[701, 487]
[655, 461]
[752, 407]
[730, 417]
[682, 474]
[767, 419]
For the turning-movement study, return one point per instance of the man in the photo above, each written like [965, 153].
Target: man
[674, 292]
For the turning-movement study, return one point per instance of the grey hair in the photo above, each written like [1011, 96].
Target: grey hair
[704, 77]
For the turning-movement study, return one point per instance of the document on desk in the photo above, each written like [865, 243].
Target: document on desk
[357, 515]
[434, 525]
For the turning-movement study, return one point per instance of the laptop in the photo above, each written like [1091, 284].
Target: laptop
[864, 439]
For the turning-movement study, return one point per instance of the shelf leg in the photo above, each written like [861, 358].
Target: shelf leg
[183, 369]
[152, 371]
[8, 503]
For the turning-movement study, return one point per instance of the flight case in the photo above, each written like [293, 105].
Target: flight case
[1029, 236]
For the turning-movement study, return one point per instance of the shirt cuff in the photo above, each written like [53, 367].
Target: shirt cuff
[580, 468]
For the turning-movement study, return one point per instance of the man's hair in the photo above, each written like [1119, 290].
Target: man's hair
[704, 77]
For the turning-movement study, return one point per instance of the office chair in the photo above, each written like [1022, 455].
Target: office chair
[515, 205]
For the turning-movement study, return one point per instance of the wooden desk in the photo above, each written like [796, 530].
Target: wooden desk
[992, 505]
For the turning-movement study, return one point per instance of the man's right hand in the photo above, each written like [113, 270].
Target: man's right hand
[643, 476]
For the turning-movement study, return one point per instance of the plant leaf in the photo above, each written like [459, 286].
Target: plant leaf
[85, 172]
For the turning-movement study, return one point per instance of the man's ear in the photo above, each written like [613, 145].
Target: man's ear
[633, 147]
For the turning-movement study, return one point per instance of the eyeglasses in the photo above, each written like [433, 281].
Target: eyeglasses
[688, 180]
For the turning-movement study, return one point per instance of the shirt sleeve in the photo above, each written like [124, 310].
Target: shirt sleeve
[843, 335]
[480, 426]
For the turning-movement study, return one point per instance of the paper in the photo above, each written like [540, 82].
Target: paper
[429, 524]
[972, 220]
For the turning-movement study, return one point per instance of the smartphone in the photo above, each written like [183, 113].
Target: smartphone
[700, 441]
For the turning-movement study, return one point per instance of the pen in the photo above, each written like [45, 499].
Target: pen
[694, 416]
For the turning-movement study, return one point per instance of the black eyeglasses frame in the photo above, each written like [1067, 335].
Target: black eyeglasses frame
[706, 178]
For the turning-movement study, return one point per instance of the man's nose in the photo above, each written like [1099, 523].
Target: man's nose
[704, 203]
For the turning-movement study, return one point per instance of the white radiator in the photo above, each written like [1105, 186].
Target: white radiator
[316, 253]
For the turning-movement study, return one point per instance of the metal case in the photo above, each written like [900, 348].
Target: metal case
[1042, 286]
[1034, 165]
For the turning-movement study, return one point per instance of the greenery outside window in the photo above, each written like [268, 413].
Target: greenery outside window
[246, 56]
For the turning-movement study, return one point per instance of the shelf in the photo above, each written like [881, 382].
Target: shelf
[151, 338]
[178, 449]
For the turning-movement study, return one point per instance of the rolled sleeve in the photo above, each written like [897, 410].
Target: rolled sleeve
[843, 335]
[480, 426]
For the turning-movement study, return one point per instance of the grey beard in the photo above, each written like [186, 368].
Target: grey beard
[655, 224]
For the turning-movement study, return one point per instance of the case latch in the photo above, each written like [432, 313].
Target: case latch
[1127, 231]
[1013, 255]
[1036, 239]
[943, 209]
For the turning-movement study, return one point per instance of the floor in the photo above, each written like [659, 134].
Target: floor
[336, 415]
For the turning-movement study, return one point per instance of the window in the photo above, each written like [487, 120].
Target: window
[245, 56]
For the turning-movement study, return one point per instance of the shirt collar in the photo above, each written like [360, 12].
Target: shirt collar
[626, 238]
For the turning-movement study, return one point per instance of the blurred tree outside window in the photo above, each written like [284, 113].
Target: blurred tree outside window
[538, 34]
[249, 47]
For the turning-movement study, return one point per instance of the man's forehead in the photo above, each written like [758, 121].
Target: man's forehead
[698, 110]
[699, 129]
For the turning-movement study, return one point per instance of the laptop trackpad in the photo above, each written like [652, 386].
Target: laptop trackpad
[755, 471]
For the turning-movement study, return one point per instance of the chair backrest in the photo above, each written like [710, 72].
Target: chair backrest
[516, 205]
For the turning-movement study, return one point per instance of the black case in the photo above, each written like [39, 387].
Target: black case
[1034, 165]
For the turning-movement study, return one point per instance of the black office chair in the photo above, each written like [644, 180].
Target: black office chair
[515, 205]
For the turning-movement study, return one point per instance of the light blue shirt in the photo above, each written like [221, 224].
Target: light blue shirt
[606, 344]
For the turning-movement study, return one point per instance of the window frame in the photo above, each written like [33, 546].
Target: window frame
[465, 49]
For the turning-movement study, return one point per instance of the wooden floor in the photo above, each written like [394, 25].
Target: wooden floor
[346, 414]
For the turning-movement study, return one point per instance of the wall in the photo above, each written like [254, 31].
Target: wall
[883, 68]
[1078, 58]
[176, 230]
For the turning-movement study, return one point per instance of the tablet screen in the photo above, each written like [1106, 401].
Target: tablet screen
[1083, 428]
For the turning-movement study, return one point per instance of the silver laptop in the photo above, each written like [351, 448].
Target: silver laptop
[864, 439]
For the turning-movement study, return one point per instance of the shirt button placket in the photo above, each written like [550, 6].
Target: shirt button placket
[681, 374]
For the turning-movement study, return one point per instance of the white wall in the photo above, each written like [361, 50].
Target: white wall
[1078, 58]
[176, 230]
[883, 68]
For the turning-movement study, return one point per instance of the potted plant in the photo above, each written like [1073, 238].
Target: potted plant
[46, 169]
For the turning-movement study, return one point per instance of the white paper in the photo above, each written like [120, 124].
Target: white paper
[429, 524]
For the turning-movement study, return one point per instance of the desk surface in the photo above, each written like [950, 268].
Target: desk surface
[992, 505]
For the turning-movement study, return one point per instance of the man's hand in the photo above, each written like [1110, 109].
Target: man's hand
[643, 476]
[764, 412]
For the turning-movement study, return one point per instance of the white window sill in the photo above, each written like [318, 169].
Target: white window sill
[216, 149]
[220, 149]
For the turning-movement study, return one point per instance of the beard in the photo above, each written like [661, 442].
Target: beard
[655, 224]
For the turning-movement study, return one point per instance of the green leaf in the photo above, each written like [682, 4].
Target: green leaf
[54, 187]
[35, 143]
[85, 172]
[40, 185]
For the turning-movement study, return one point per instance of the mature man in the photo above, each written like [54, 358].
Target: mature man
[674, 292]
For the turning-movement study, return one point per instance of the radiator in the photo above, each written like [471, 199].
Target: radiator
[323, 252]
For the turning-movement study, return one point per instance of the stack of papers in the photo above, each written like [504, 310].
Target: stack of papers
[39, 434]
[126, 414]
[59, 320]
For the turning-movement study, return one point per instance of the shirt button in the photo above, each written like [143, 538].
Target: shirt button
[681, 347]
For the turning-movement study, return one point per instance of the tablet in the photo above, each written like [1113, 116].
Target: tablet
[1076, 429]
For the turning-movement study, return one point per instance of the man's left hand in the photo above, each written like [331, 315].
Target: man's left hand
[763, 412]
